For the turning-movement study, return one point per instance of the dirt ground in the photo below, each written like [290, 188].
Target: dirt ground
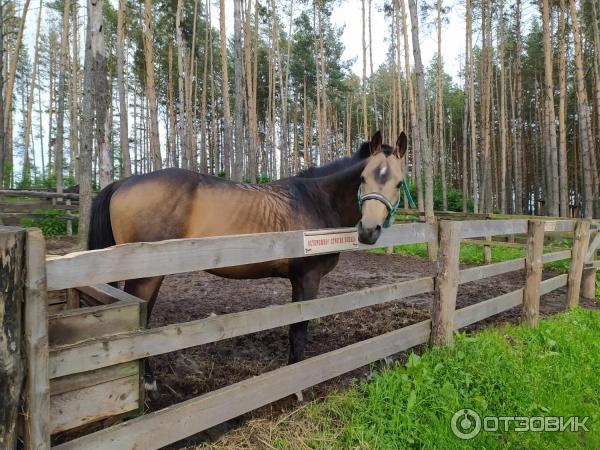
[184, 297]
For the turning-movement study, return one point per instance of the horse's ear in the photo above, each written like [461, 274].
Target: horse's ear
[401, 145]
[376, 142]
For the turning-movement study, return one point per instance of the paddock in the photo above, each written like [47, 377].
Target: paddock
[83, 276]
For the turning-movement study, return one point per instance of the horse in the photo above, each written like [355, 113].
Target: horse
[177, 203]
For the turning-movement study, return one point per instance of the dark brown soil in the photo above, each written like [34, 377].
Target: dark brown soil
[184, 297]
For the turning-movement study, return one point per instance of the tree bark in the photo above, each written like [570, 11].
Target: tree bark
[517, 125]
[440, 107]
[2, 127]
[238, 154]
[503, 191]
[552, 201]
[562, 112]
[122, 87]
[421, 115]
[364, 76]
[225, 86]
[582, 105]
[150, 88]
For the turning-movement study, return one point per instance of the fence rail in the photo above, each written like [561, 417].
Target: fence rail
[176, 422]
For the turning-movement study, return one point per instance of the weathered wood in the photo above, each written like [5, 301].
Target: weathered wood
[38, 194]
[86, 379]
[491, 243]
[125, 347]
[30, 207]
[12, 273]
[581, 240]
[533, 267]
[477, 228]
[482, 310]
[556, 256]
[490, 270]
[79, 407]
[72, 299]
[144, 259]
[171, 424]
[37, 423]
[446, 283]
[551, 284]
[588, 279]
[78, 325]
[487, 250]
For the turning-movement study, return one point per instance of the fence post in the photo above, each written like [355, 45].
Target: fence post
[37, 394]
[12, 272]
[487, 251]
[581, 240]
[69, 221]
[446, 283]
[588, 281]
[533, 269]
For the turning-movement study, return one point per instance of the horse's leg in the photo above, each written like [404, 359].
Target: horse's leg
[146, 289]
[304, 287]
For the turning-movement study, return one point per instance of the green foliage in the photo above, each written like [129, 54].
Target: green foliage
[50, 225]
[506, 371]
[454, 196]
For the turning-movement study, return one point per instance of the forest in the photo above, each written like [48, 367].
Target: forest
[94, 91]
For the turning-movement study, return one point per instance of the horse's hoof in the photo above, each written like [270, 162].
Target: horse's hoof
[299, 396]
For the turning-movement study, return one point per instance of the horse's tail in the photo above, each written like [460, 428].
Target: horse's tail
[100, 233]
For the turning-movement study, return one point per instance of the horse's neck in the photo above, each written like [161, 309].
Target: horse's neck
[342, 191]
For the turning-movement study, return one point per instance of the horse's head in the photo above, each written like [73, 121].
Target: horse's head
[379, 191]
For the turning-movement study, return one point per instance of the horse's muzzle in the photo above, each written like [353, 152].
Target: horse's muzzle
[368, 235]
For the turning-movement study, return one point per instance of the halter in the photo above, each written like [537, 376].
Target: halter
[392, 209]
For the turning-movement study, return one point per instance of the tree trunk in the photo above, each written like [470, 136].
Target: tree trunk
[552, 201]
[421, 115]
[182, 85]
[150, 89]
[9, 88]
[101, 94]
[225, 86]
[87, 138]
[203, 104]
[122, 86]
[26, 175]
[74, 94]
[582, 104]
[562, 112]
[364, 76]
[238, 154]
[503, 191]
[440, 108]
[517, 125]
[2, 127]
[372, 81]
[251, 56]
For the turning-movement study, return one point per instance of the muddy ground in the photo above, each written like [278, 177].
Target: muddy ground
[184, 297]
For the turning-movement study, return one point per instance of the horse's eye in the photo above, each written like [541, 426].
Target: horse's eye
[362, 179]
[399, 185]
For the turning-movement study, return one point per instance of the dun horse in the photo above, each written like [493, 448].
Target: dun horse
[176, 203]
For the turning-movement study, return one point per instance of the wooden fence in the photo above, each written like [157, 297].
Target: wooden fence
[18, 204]
[162, 427]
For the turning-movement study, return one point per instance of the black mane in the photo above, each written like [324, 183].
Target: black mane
[340, 164]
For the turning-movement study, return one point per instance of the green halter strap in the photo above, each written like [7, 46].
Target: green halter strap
[392, 209]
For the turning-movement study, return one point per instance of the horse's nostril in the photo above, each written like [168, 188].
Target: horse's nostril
[378, 228]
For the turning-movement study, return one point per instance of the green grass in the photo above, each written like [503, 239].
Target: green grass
[551, 370]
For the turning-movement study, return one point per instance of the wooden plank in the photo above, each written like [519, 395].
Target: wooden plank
[490, 270]
[86, 379]
[38, 194]
[482, 310]
[446, 283]
[553, 283]
[37, 423]
[76, 408]
[588, 278]
[171, 424]
[478, 228]
[29, 207]
[581, 240]
[556, 256]
[86, 323]
[593, 264]
[491, 243]
[124, 347]
[73, 300]
[109, 294]
[12, 273]
[143, 259]
[533, 269]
